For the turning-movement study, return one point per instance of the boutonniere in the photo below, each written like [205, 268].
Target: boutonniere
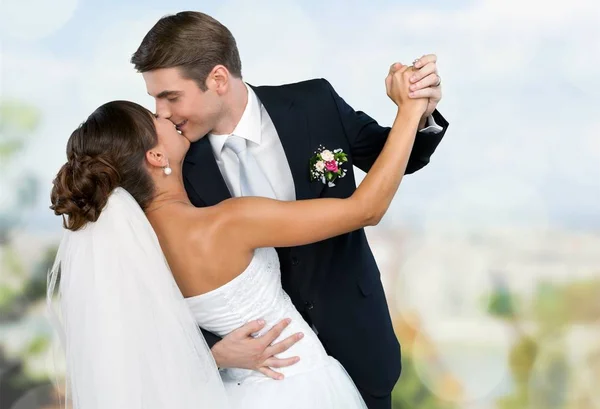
[326, 165]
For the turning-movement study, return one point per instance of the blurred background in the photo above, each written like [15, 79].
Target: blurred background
[490, 255]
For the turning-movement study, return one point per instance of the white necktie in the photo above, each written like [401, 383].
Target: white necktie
[253, 181]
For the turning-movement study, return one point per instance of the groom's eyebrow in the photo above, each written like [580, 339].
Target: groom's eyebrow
[166, 94]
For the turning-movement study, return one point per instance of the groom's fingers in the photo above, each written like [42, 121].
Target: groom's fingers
[249, 328]
[424, 60]
[422, 73]
[271, 335]
[284, 345]
[281, 363]
[433, 93]
[270, 373]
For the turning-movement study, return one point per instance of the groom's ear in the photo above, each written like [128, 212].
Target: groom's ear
[219, 78]
[156, 158]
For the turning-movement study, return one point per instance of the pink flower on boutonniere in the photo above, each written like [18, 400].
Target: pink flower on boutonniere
[331, 166]
[326, 165]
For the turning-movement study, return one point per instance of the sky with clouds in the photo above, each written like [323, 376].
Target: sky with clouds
[521, 89]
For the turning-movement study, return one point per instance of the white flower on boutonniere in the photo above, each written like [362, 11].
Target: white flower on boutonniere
[326, 155]
[326, 166]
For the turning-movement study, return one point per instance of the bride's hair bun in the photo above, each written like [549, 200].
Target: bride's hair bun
[81, 189]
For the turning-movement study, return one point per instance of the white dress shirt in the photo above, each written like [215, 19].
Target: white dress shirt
[257, 128]
[263, 142]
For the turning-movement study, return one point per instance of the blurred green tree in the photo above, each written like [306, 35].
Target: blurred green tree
[539, 358]
[21, 287]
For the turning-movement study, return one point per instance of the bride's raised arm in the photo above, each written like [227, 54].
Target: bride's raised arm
[259, 222]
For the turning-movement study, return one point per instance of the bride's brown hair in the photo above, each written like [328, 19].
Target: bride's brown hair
[106, 151]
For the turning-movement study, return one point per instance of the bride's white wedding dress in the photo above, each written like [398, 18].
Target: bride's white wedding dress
[316, 381]
[132, 341]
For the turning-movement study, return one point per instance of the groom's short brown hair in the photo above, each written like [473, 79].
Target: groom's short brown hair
[192, 41]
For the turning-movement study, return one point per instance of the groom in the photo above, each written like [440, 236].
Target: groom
[192, 68]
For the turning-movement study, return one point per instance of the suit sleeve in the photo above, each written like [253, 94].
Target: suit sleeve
[211, 339]
[367, 138]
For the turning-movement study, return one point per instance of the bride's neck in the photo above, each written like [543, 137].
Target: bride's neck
[168, 191]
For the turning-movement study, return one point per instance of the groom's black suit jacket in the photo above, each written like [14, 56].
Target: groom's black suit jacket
[335, 283]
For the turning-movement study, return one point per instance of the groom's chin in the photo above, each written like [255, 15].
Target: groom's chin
[192, 137]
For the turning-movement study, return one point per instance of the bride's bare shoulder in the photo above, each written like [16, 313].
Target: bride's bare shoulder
[208, 225]
[214, 217]
[211, 239]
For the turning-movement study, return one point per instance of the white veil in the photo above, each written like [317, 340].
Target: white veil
[129, 338]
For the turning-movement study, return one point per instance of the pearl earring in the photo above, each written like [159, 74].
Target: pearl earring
[167, 169]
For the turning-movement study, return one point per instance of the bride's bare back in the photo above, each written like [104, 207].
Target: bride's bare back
[198, 253]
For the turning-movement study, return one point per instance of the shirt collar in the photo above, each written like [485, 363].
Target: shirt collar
[249, 126]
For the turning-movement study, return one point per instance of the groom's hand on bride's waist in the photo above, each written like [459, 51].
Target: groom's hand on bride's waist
[240, 349]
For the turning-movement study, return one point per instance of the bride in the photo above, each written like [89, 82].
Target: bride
[140, 268]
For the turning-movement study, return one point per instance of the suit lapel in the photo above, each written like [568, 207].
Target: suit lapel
[291, 124]
[203, 173]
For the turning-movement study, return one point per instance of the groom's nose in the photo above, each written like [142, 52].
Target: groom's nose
[162, 110]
